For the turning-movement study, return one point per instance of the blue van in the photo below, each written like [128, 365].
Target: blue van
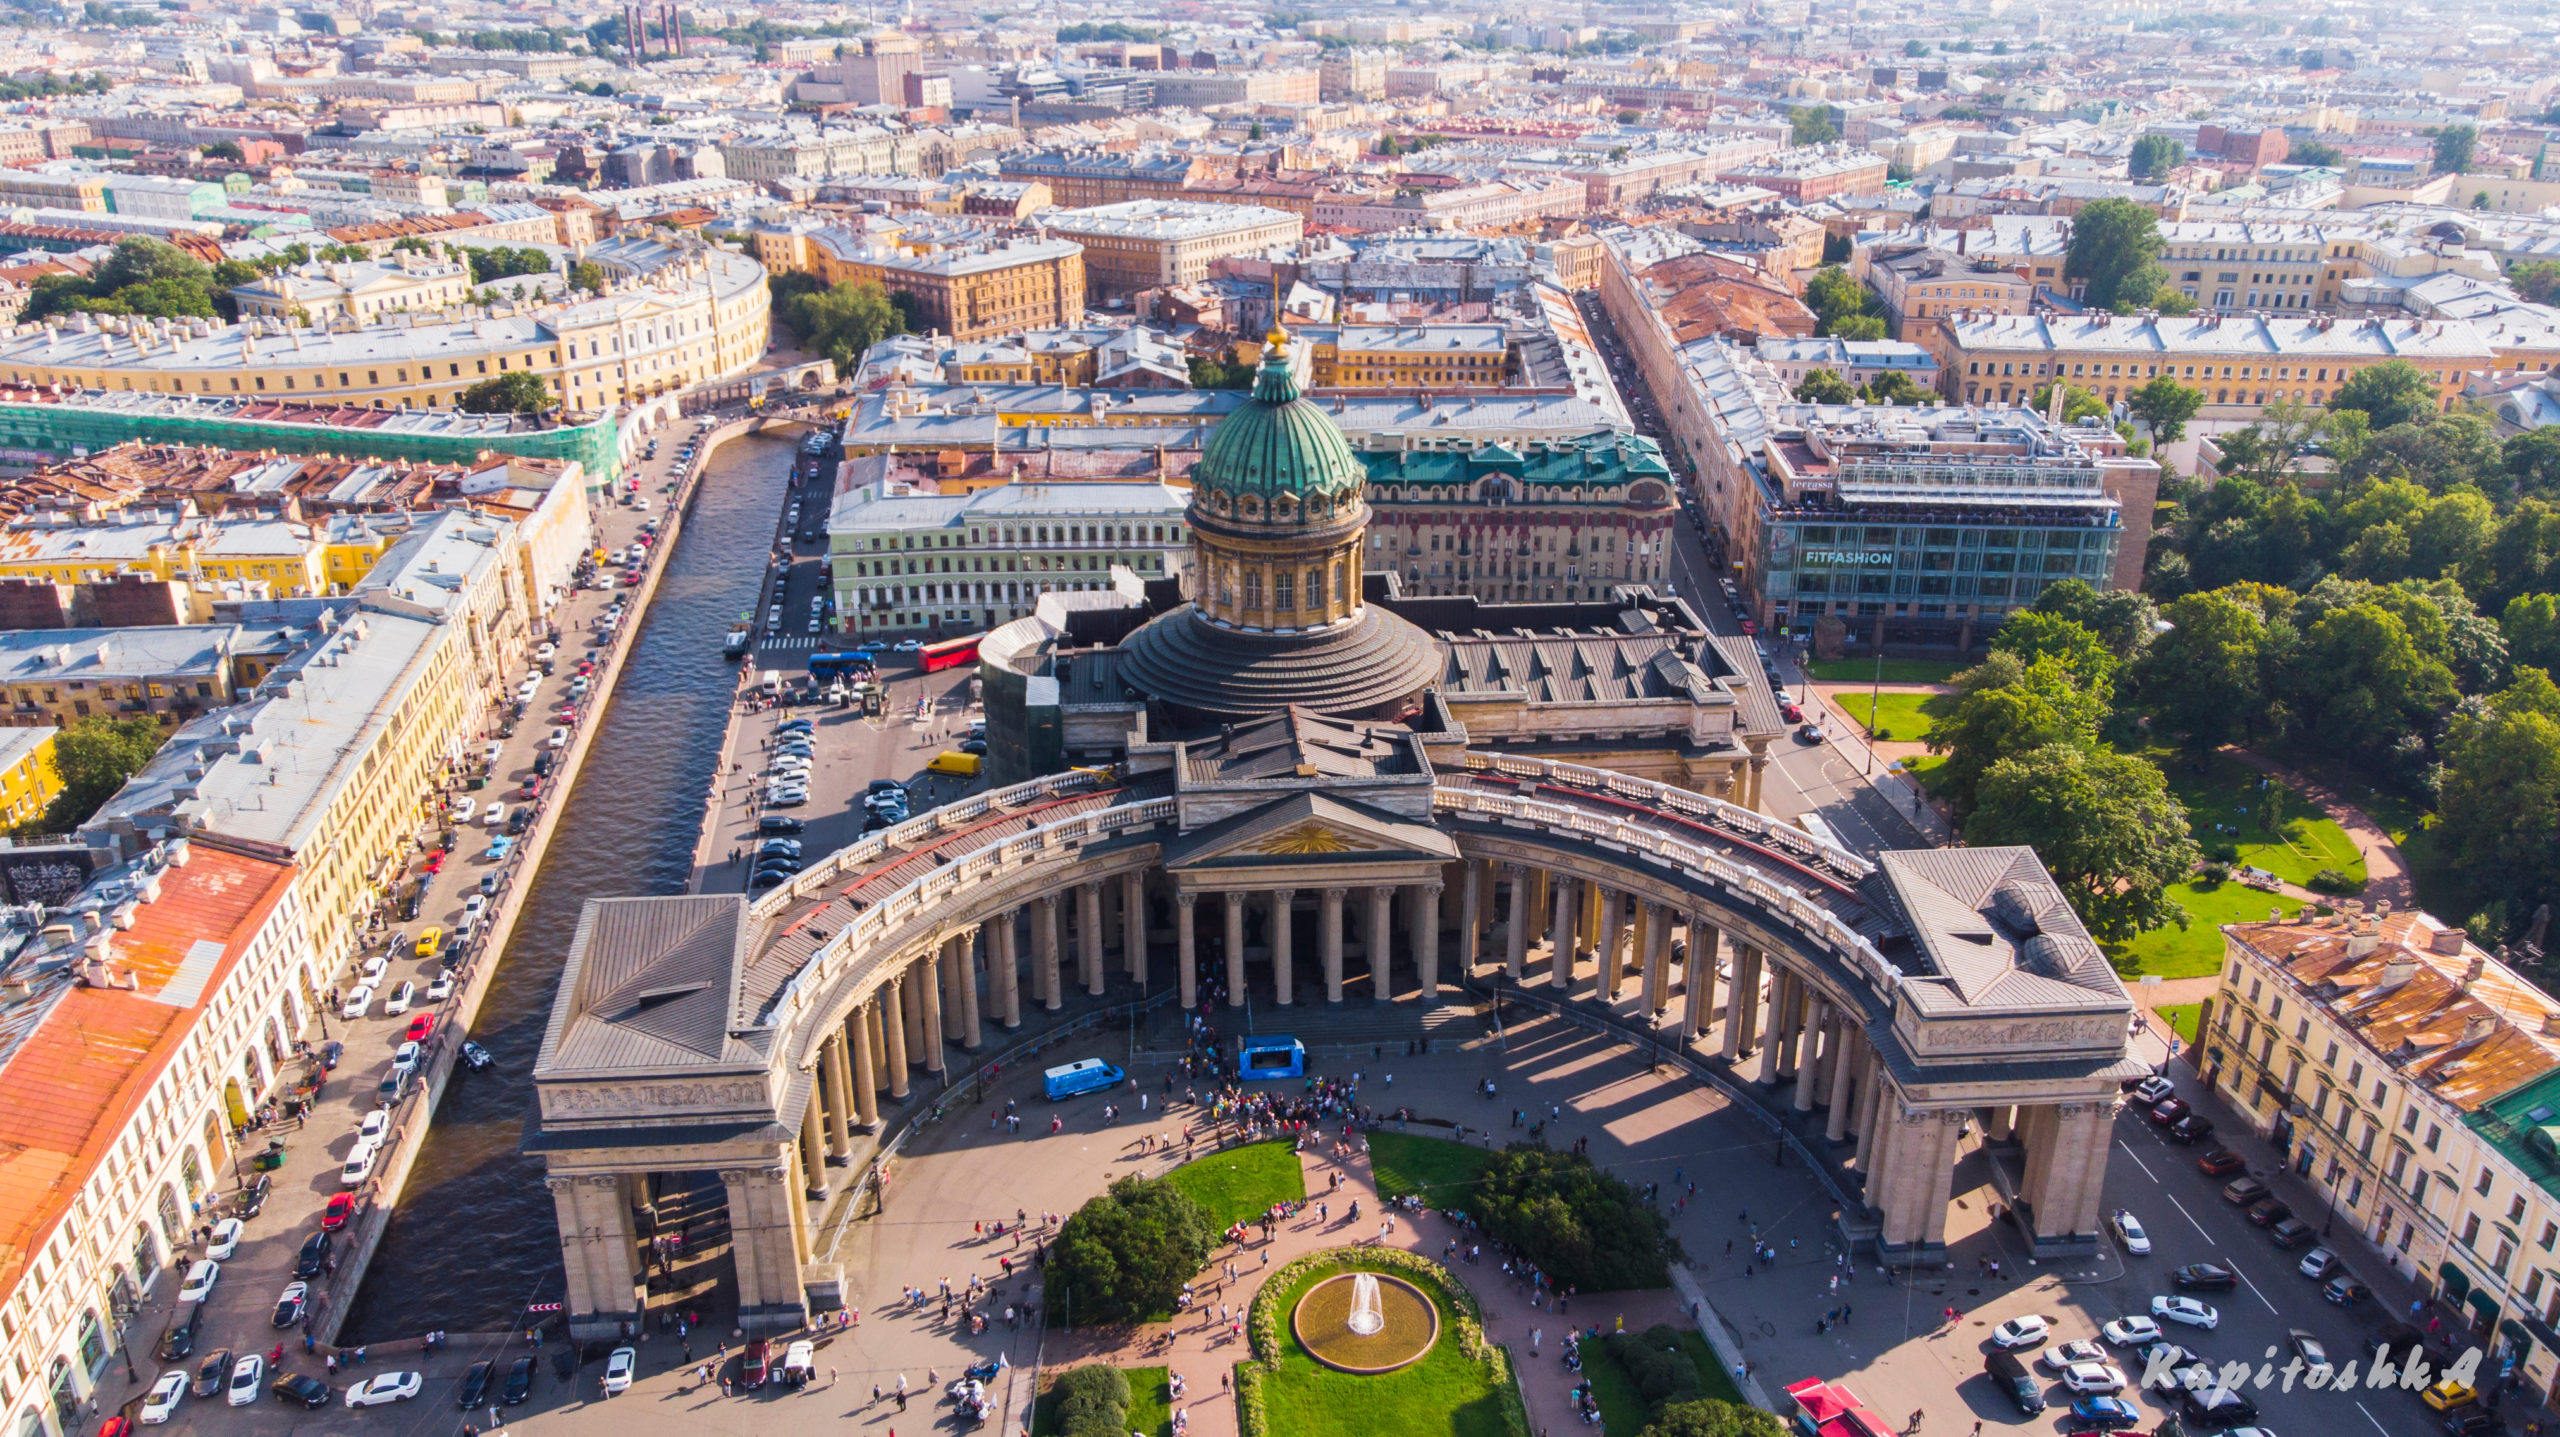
[1272, 1056]
[1088, 1076]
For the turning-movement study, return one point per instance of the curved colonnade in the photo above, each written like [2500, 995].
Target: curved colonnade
[1780, 954]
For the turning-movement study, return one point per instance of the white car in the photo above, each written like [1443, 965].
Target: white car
[2151, 1090]
[406, 1058]
[464, 807]
[2133, 1331]
[618, 1369]
[494, 815]
[2054, 1359]
[375, 1127]
[372, 969]
[200, 1280]
[908, 646]
[546, 653]
[2186, 1310]
[2027, 1331]
[2129, 1232]
[226, 1239]
[472, 905]
[248, 1379]
[359, 1166]
[357, 1002]
[2093, 1377]
[163, 1400]
[389, 1387]
[399, 1000]
[441, 988]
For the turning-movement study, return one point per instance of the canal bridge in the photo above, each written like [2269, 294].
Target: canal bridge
[1338, 862]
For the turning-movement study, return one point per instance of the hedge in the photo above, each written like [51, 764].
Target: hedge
[1093, 1402]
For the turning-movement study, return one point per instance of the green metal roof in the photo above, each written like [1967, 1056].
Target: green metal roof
[2524, 1125]
[1604, 458]
[1279, 443]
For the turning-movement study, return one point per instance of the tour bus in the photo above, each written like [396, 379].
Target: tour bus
[950, 653]
[1091, 1075]
[855, 664]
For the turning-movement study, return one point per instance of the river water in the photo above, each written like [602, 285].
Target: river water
[473, 1239]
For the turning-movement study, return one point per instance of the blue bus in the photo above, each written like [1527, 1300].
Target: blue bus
[1088, 1076]
[848, 664]
[1273, 1056]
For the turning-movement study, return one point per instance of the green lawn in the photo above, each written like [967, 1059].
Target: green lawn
[1444, 1392]
[1711, 1374]
[1242, 1183]
[2181, 1018]
[1622, 1411]
[2275, 828]
[1150, 1404]
[2195, 951]
[1440, 1170]
[1896, 671]
[1897, 714]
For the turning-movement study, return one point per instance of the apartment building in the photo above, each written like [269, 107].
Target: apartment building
[973, 290]
[1407, 356]
[195, 957]
[1859, 361]
[322, 292]
[900, 559]
[1815, 172]
[1489, 204]
[2414, 1080]
[1084, 178]
[2242, 362]
[1152, 244]
[29, 780]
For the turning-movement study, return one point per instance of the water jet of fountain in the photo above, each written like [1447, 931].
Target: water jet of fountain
[1368, 1315]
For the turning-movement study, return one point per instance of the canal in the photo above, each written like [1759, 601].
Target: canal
[473, 1239]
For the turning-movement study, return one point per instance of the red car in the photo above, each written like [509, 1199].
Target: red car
[341, 1208]
[1750, 626]
[2220, 1162]
[532, 788]
[420, 1027]
[435, 861]
[1791, 713]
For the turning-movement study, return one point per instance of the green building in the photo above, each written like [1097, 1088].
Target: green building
[42, 430]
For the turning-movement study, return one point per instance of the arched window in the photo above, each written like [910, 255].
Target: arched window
[93, 1340]
[146, 1252]
[66, 1398]
[173, 1209]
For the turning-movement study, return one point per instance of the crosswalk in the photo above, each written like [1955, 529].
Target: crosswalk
[790, 641]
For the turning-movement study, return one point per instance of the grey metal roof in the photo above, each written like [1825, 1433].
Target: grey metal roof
[1997, 928]
[647, 985]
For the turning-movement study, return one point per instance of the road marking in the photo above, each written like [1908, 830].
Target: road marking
[2253, 1287]
[2137, 1161]
[2190, 1217]
[2376, 1421]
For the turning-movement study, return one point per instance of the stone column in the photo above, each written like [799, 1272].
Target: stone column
[1515, 935]
[1871, 1095]
[1133, 925]
[1770, 1040]
[1567, 902]
[813, 1144]
[1540, 882]
[1284, 981]
[1379, 939]
[1234, 942]
[1426, 947]
[1008, 969]
[1915, 1176]
[1697, 975]
[765, 1238]
[1846, 1041]
[1734, 1002]
[964, 954]
[1639, 949]
[866, 1068]
[1607, 934]
[946, 964]
[929, 1000]
[1329, 941]
[1786, 1023]
[893, 1029]
[1470, 915]
[1089, 937]
[835, 1078]
[1809, 1070]
[912, 1004]
[599, 1249]
[1187, 965]
[1044, 942]
[1995, 1124]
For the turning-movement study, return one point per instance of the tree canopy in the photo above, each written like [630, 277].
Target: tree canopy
[2165, 405]
[2155, 155]
[93, 757]
[1581, 1226]
[2392, 392]
[2114, 254]
[1838, 300]
[1126, 1254]
[2455, 146]
[2105, 825]
[519, 392]
[1707, 1417]
[841, 322]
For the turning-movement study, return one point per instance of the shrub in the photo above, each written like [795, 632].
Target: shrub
[2222, 850]
[1657, 1365]
[1583, 1228]
[1093, 1402]
[2216, 871]
[2330, 880]
[1707, 1417]
[1126, 1254]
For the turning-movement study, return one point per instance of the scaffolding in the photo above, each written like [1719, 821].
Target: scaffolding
[85, 424]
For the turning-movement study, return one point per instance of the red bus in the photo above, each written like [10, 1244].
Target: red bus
[951, 653]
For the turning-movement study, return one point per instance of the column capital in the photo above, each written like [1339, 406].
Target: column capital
[1513, 870]
[1336, 895]
[1047, 900]
[1284, 895]
[739, 1177]
[1093, 886]
[1432, 889]
[1187, 900]
[560, 1185]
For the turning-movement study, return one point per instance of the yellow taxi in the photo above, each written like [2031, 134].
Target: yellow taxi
[2450, 1393]
[428, 941]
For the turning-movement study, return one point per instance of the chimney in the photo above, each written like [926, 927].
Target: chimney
[2471, 971]
[2551, 1024]
[2397, 971]
[2478, 1026]
[2362, 940]
[2447, 941]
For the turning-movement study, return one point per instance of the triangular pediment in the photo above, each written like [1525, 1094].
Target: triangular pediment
[1308, 828]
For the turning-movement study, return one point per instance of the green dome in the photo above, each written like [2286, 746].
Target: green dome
[1279, 444]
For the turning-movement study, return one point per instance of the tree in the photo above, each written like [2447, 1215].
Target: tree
[1895, 387]
[2114, 253]
[2455, 147]
[2358, 683]
[1835, 299]
[2155, 155]
[2500, 797]
[2531, 625]
[2315, 59]
[518, 392]
[2105, 825]
[225, 150]
[587, 275]
[1583, 1227]
[1825, 386]
[1915, 48]
[2001, 707]
[141, 260]
[2537, 280]
[2313, 152]
[1629, 117]
[1811, 125]
[1858, 327]
[2392, 392]
[2123, 620]
[93, 757]
[2077, 404]
[2199, 680]
[841, 322]
[1708, 1417]
[1126, 1254]
[2165, 405]
[2041, 634]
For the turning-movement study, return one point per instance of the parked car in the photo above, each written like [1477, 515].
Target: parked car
[2243, 1192]
[387, 1388]
[2204, 1277]
[2014, 1381]
[200, 1281]
[165, 1396]
[2345, 1291]
[290, 1303]
[474, 1388]
[2268, 1211]
[2318, 1263]
[618, 1368]
[248, 1374]
[2128, 1230]
[2061, 1355]
[2191, 1129]
[2086, 1377]
[226, 1239]
[2104, 1412]
[519, 1382]
[2131, 1330]
[2030, 1330]
[303, 1388]
[213, 1373]
[398, 1002]
[2293, 1232]
[2185, 1310]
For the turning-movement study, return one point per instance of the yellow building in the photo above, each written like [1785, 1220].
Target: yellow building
[968, 291]
[1152, 244]
[28, 779]
[1407, 356]
[2241, 362]
[287, 556]
[349, 548]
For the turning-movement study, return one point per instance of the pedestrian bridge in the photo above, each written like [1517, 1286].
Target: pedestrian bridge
[763, 1039]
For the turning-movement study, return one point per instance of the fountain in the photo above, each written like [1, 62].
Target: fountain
[1367, 1317]
[1365, 1322]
